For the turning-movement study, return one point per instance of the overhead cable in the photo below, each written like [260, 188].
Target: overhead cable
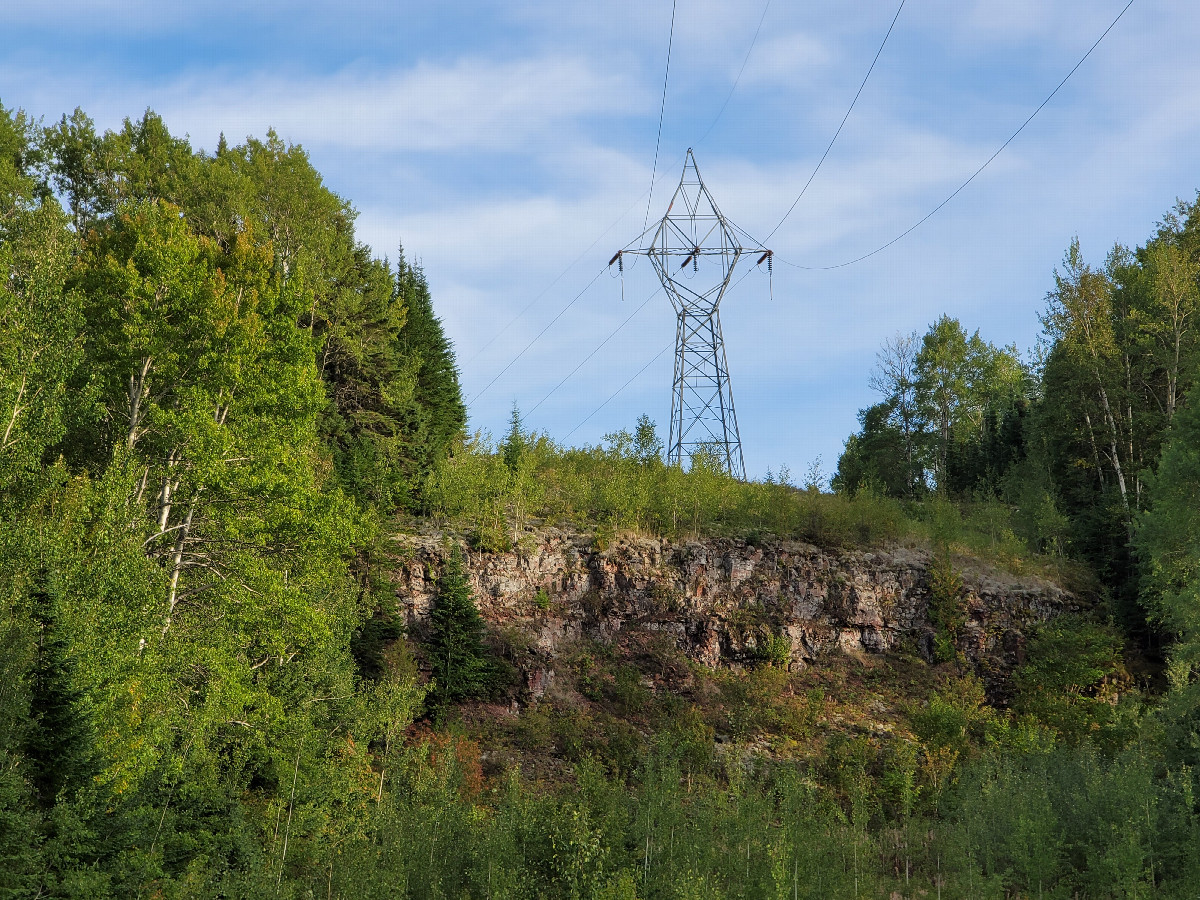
[525, 349]
[613, 395]
[615, 222]
[929, 215]
[612, 334]
[661, 110]
[729, 96]
[545, 291]
[842, 125]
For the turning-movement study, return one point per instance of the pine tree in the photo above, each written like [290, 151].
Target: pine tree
[460, 661]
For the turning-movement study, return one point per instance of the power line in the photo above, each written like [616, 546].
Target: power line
[614, 394]
[661, 110]
[737, 80]
[621, 388]
[612, 334]
[976, 173]
[849, 110]
[545, 290]
[654, 181]
[525, 349]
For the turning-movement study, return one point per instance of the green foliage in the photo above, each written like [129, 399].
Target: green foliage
[180, 572]
[622, 486]
[40, 317]
[462, 669]
[436, 415]
[776, 650]
[956, 718]
[952, 416]
[1071, 679]
[947, 612]
[516, 443]
[875, 458]
[392, 402]
[1168, 547]
[59, 745]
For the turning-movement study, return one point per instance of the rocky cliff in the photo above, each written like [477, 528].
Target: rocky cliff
[723, 602]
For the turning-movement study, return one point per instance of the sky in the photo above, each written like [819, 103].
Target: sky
[509, 148]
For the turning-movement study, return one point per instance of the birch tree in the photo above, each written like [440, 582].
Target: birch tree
[40, 319]
[1080, 316]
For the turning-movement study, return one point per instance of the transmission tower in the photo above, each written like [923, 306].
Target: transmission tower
[694, 250]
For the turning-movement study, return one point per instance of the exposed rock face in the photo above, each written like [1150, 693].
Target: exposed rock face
[723, 602]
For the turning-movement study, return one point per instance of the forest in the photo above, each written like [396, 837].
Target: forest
[218, 407]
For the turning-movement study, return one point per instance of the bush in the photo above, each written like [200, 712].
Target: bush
[622, 487]
[946, 611]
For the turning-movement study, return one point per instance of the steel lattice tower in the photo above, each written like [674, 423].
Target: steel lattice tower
[694, 250]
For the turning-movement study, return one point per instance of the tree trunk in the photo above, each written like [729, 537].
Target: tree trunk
[1087, 417]
[17, 410]
[137, 390]
[1173, 379]
[177, 565]
[1113, 435]
[169, 487]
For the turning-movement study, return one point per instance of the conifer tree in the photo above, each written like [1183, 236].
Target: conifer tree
[437, 414]
[460, 660]
[60, 742]
[1168, 547]
[516, 442]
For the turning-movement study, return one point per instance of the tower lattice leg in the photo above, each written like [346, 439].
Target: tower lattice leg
[703, 418]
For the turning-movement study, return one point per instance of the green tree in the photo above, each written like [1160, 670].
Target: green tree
[20, 820]
[461, 666]
[1080, 317]
[877, 456]
[895, 378]
[60, 743]
[515, 446]
[1168, 547]
[647, 445]
[1070, 678]
[959, 381]
[951, 415]
[1169, 317]
[40, 318]
[437, 415]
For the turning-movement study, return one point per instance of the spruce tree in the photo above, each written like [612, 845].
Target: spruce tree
[460, 661]
[436, 415]
[60, 742]
[516, 442]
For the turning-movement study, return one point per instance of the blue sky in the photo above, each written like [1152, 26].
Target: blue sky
[509, 146]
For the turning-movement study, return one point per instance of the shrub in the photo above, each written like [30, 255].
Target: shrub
[946, 611]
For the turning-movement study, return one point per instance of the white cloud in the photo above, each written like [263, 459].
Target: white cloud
[498, 161]
[472, 104]
[785, 59]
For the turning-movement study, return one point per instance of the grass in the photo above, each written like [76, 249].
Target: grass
[607, 490]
